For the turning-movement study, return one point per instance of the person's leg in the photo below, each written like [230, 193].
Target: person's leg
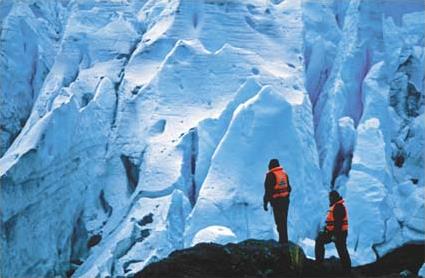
[277, 213]
[284, 220]
[344, 256]
[319, 248]
[281, 213]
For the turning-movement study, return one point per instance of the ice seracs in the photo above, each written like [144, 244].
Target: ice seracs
[142, 127]
[222, 201]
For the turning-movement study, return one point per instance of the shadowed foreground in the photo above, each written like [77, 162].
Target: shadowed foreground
[257, 258]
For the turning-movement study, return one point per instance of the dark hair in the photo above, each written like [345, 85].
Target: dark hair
[273, 163]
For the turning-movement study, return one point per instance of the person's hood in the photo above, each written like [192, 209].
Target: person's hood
[273, 163]
[334, 197]
[336, 201]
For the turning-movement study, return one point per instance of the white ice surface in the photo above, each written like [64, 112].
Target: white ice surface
[144, 123]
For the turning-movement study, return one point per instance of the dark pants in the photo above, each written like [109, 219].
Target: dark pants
[340, 244]
[280, 212]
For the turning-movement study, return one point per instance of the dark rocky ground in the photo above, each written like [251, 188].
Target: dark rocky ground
[258, 258]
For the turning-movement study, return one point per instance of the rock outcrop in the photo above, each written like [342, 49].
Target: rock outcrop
[256, 258]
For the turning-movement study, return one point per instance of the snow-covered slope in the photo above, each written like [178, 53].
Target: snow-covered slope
[149, 126]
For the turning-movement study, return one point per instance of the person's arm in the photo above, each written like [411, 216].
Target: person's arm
[339, 214]
[268, 188]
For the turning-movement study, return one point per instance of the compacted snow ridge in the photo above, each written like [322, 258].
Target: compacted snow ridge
[130, 129]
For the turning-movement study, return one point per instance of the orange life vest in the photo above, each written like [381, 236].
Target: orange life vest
[280, 189]
[330, 220]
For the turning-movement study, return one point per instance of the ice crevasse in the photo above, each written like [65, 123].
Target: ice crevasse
[132, 129]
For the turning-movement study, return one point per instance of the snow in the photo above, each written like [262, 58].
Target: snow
[368, 81]
[136, 240]
[149, 125]
[33, 31]
[215, 234]
[222, 201]
[367, 192]
[421, 272]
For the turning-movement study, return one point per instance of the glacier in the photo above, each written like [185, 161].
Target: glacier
[132, 129]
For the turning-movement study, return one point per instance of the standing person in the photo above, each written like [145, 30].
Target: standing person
[336, 230]
[277, 191]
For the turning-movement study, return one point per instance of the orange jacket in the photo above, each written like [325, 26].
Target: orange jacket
[330, 218]
[280, 188]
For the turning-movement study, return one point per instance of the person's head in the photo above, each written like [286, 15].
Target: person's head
[334, 197]
[273, 163]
